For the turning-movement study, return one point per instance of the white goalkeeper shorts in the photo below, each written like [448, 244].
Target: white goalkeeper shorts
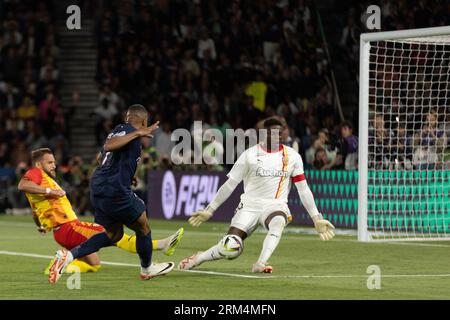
[248, 216]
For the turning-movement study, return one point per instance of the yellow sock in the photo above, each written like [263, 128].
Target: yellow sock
[81, 266]
[128, 243]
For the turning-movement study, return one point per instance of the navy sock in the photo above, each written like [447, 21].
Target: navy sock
[93, 244]
[144, 249]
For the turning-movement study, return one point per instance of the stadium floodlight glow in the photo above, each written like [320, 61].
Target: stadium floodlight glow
[404, 124]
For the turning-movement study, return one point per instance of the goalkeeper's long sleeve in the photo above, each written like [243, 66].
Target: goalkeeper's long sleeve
[307, 199]
[222, 194]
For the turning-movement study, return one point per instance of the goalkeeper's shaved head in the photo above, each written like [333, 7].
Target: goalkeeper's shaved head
[137, 114]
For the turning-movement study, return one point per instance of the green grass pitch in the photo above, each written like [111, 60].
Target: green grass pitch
[304, 268]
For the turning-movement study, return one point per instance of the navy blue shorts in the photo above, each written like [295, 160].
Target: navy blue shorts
[109, 211]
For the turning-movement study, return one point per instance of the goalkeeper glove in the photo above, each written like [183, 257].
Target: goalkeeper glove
[324, 228]
[201, 216]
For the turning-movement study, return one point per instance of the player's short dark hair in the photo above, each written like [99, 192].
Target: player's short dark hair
[325, 132]
[272, 121]
[138, 111]
[318, 163]
[37, 154]
[347, 124]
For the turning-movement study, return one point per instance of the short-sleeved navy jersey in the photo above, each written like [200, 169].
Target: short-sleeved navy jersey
[114, 175]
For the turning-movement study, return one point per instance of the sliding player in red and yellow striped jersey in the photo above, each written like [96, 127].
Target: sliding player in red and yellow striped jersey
[52, 211]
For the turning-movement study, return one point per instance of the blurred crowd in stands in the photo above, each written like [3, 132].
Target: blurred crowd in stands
[229, 64]
[395, 15]
[408, 97]
[31, 115]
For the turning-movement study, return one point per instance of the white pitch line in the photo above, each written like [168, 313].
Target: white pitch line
[21, 254]
[120, 264]
[288, 234]
[228, 274]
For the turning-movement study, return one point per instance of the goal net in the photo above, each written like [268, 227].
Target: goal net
[404, 125]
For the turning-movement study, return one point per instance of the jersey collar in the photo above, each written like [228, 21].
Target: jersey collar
[270, 151]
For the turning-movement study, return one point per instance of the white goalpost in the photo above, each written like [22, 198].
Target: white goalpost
[404, 125]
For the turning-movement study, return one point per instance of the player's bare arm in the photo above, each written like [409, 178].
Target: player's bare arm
[29, 186]
[116, 142]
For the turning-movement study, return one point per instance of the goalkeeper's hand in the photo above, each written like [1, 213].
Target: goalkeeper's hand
[325, 229]
[199, 217]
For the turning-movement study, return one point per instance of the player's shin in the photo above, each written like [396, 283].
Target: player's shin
[272, 239]
[144, 249]
[211, 254]
[128, 243]
[93, 244]
[229, 247]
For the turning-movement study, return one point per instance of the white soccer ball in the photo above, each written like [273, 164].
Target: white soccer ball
[231, 246]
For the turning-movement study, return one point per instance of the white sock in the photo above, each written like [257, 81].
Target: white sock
[272, 239]
[209, 255]
[69, 258]
[161, 244]
[146, 270]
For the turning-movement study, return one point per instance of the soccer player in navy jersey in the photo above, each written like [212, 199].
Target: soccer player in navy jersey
[114, 202]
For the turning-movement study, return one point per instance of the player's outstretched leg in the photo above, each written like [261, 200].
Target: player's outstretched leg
[229, 247]
[276, 226]
[63, 257]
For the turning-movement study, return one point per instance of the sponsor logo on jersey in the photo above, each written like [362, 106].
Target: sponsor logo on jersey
[118, 134]
[261, 172]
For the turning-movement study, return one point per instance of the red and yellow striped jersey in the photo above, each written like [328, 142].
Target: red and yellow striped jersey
[52, 211]
[267, 175]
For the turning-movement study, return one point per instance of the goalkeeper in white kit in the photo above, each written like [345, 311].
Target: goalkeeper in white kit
[268, 169]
